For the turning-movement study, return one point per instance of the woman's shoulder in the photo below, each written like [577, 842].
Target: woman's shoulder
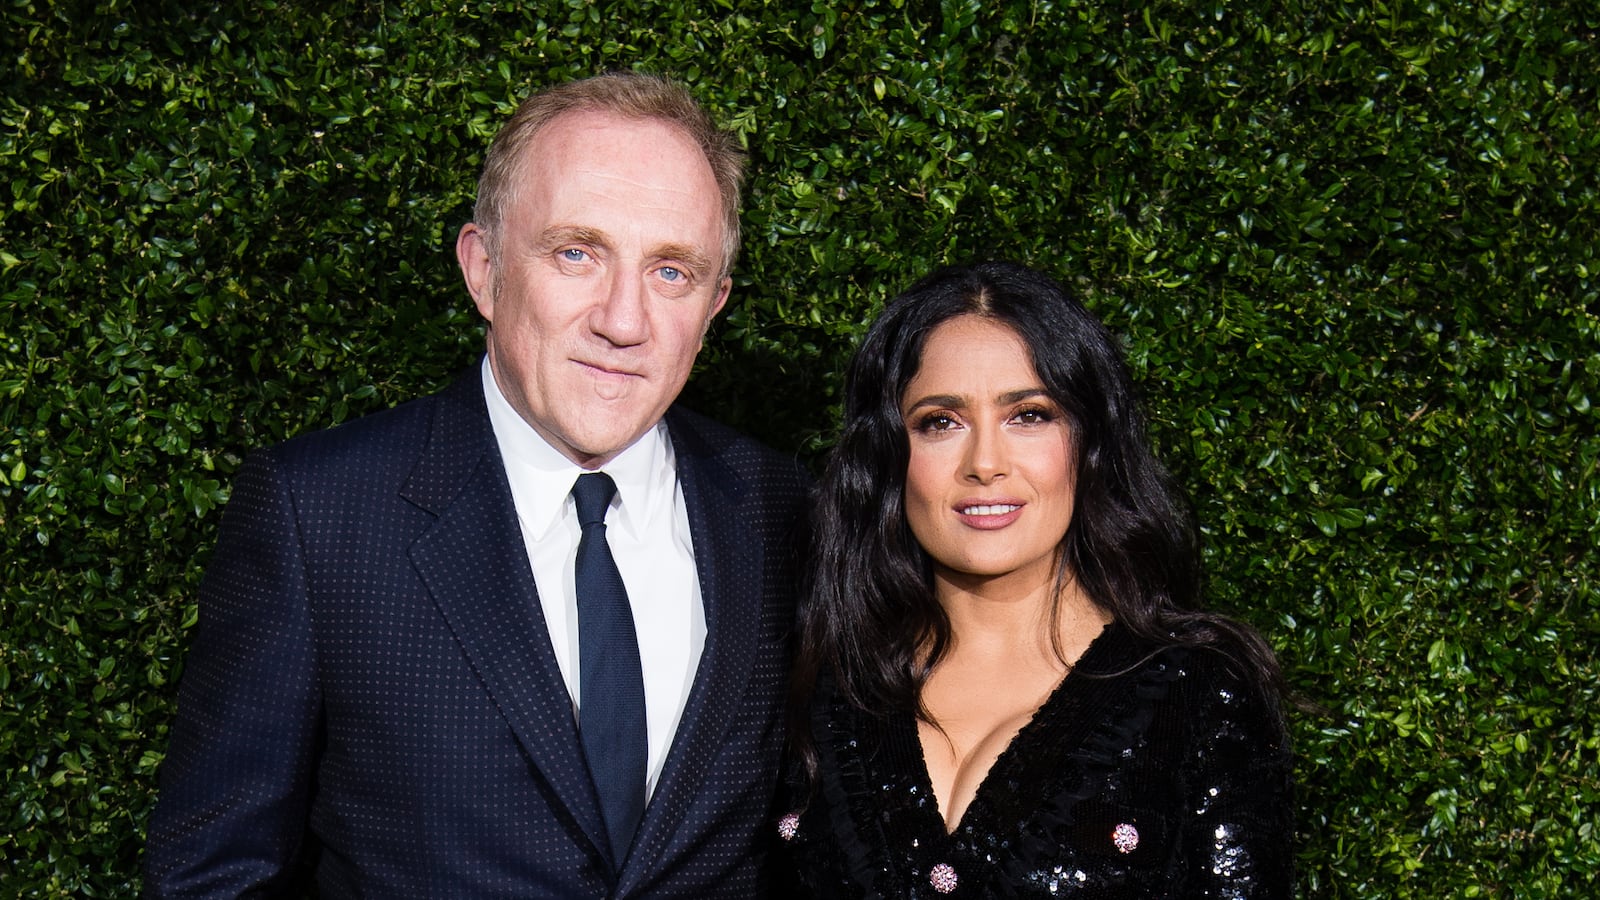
[1206, 682]
[1226, 707]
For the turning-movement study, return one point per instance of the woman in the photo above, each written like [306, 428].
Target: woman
[1004, 685]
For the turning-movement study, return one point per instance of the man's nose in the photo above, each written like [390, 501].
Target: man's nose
[620, 317]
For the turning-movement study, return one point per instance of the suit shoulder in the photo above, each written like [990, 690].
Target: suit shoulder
[737, 451]
[372, 434]
[381, 444]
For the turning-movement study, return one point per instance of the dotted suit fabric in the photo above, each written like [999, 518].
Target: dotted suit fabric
[371, 703]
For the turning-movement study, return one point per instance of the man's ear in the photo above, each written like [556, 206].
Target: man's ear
[477, 268]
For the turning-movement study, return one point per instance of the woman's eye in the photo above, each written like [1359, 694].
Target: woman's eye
[936, 422]
[1034, 416]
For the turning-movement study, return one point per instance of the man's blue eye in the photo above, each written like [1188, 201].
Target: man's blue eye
[572, 254]
[671, 274]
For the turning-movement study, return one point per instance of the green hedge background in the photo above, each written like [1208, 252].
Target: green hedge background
[1352, 245]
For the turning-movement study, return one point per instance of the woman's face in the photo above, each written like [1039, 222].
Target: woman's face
[989, 488]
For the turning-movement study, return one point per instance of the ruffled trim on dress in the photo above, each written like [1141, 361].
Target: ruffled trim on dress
[837, 771]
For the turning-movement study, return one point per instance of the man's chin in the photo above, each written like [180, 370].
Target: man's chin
[594, 448]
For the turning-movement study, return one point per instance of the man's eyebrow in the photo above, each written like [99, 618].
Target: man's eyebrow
[689, 256]
[556, 235]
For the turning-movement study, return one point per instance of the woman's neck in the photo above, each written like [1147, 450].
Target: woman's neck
[1010, 619]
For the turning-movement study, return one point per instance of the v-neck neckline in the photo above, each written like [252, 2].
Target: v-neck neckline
[1086, 666]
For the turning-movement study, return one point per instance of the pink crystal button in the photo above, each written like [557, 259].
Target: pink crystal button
[789, 826]
[1126, 837]
[943, 878]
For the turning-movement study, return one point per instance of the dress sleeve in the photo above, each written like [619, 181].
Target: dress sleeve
[234, 787]
[1238, 820]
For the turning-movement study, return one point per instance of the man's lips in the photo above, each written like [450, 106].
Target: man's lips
[609, 383]
[603, 369]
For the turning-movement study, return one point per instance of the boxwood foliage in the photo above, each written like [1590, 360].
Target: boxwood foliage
[1352, 246]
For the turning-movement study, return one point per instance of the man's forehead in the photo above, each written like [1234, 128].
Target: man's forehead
[570, 130]
[631, 153]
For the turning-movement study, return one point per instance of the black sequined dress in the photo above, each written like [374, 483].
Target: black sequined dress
[1147, 773]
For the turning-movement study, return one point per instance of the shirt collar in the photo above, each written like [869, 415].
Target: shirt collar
[541, 478]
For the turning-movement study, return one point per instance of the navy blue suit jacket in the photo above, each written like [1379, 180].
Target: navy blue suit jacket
[371, 700]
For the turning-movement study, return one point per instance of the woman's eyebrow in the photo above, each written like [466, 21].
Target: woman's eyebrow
[1023, 394]
[954, 401]
[957, 401]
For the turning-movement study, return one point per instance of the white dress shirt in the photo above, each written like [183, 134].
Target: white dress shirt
[647, 528]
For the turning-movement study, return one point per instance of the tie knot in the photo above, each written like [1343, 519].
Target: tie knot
[592, 493]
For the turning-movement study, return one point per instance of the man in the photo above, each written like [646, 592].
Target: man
[395, 687]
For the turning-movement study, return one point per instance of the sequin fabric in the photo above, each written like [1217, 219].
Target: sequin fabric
[1148, 773]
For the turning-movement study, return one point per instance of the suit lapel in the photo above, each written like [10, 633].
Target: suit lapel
[729, 564]
[474, 564]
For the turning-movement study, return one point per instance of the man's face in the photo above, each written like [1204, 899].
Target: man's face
[609, 270]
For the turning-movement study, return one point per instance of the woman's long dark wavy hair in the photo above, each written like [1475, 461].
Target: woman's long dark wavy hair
[869, 620]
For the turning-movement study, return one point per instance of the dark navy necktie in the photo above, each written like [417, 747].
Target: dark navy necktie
[611, 684]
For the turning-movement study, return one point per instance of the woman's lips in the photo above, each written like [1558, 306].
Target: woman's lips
[989, 514]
